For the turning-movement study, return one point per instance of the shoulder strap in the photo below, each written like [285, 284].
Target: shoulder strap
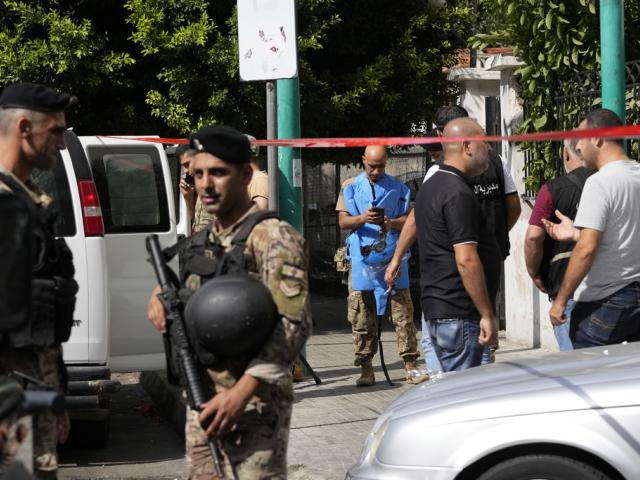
[182, 245]
[19, 192]
[234, 260]
[250, 222]
[573, 179]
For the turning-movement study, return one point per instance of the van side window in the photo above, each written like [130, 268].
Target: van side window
[55, 183]
[176, 172]
[131, 188]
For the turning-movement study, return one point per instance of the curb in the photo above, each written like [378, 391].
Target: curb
[168, 398]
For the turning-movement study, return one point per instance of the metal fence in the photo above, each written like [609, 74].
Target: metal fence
[578, 95]
[321, 188]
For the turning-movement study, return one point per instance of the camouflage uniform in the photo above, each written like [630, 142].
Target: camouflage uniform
[257, 447]
[259, 185]
[362, 316]
[361, 313]
[43, 363]
[201, 218]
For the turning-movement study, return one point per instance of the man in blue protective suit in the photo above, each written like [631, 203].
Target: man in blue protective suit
[374, 207]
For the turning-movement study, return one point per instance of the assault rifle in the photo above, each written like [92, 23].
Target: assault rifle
[189, 374]
[33, 397]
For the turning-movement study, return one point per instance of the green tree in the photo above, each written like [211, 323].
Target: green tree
[57, 43]
[555, 39]
[366, 67]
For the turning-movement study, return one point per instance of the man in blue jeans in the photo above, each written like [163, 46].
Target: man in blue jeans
[546, 258]
[459, 256]
[604, 269]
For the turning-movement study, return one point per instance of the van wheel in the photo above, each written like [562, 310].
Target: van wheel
[543, 467]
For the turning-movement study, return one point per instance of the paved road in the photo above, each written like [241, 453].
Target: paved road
[329, 425]
[142, 444]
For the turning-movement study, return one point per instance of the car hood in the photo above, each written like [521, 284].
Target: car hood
[601, 377]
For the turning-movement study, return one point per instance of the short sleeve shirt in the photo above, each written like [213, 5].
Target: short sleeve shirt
[509, 184]
[449, 214]
[259, 185]
[610, 203]
[543, 209]
[340, 206]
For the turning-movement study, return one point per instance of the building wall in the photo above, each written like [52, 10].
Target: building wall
[526, 307]
[474, 95]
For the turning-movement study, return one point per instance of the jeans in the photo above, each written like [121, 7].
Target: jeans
[613, 319]
[430, 357]
[455, 341]
[562, 331]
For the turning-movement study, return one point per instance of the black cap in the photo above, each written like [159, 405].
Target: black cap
[224, 142]
[33, 96]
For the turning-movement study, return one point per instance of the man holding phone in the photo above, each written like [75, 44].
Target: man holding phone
[187, 184]
[200, 218]
[373, 207]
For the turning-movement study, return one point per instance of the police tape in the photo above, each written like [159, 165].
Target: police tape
[621, 132]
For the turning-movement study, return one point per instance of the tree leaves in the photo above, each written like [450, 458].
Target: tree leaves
[555, 39]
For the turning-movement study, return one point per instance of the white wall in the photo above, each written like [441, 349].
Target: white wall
[472, 98]
[526, 307]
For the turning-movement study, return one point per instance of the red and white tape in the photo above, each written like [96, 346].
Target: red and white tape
[625, 131]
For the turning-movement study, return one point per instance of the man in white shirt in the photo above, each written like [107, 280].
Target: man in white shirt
[604, 270]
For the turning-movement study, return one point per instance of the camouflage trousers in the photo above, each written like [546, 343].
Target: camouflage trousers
[361, 313]
[255, 449]
[44, 364]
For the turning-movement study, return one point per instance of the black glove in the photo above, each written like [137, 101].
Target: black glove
[43, 298]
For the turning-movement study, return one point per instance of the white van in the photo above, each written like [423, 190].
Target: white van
[109, 194]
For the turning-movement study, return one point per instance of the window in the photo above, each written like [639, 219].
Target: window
[176, 172]
[131, 188]
[55, 183]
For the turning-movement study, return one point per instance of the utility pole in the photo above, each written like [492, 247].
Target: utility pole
[613, 71]
[272, 152]
[289, 159]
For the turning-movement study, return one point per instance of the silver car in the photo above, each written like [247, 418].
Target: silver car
[573, 416]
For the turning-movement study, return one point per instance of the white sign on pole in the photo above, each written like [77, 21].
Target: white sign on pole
[267, 39]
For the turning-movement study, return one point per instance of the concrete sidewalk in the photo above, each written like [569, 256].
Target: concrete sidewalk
[330, 421]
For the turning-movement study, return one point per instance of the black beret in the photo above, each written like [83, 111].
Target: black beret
[224, 142]
[33, 96]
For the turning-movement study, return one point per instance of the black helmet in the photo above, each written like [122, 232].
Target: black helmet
[230, 317]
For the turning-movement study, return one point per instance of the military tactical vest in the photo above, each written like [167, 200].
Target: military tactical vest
[199, 256]
[565, 192]
[51, 260]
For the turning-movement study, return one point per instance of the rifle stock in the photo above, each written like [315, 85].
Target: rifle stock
[177, 335]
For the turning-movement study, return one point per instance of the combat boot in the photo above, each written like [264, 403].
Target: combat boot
[297, 371]
[414, 374]
[367, 378]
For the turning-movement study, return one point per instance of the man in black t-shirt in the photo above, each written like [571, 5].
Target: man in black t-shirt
[459, 257]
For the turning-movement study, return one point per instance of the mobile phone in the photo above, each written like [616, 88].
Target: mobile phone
[188, 178]
[379, 211]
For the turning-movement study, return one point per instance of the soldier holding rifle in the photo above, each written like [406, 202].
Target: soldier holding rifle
[249, 409]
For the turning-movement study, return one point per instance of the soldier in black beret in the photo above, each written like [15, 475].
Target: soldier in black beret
[38, 267]
[251, 411]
